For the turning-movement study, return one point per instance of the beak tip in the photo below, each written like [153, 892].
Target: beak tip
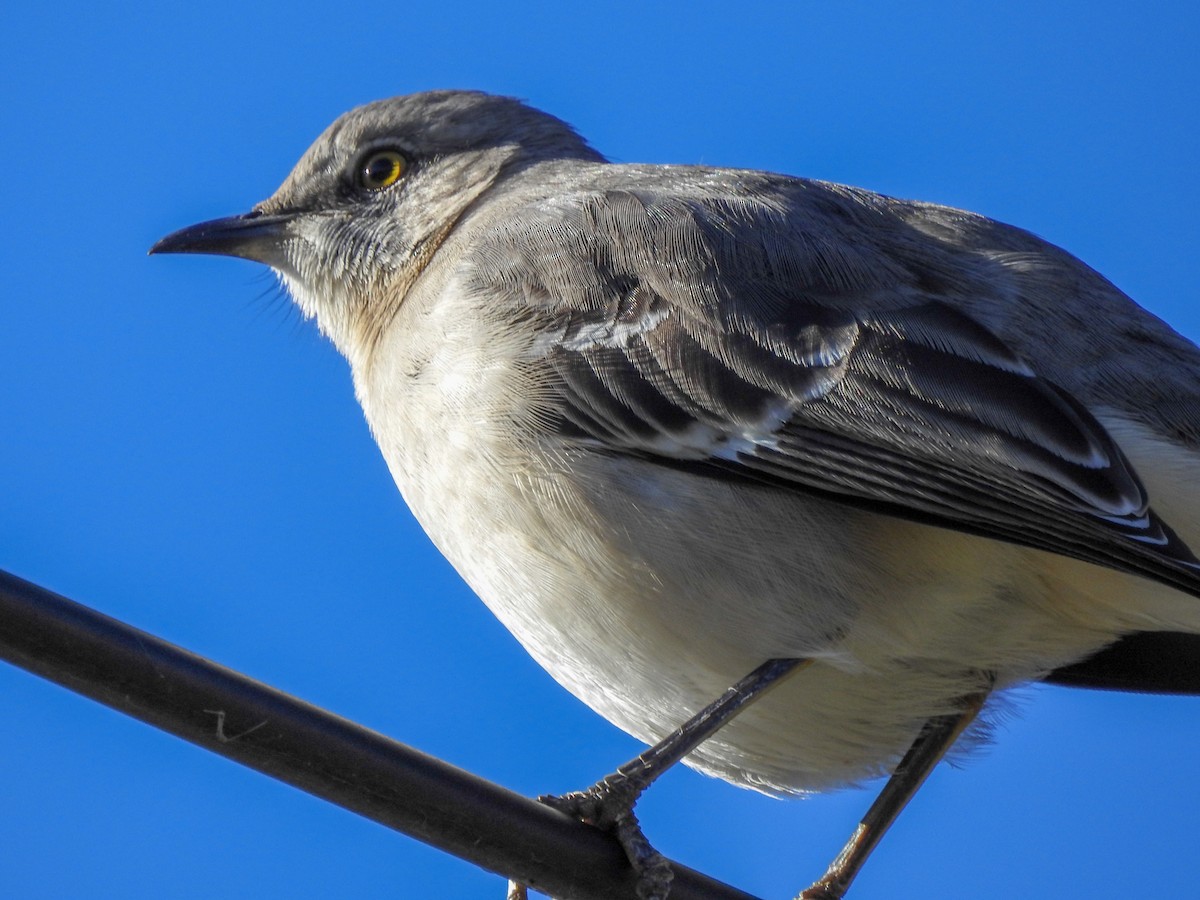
[251, 236]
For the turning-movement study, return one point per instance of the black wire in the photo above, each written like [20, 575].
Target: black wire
[316, 751]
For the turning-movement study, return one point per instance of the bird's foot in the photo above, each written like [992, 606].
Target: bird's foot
[822, 890]
[608, 805]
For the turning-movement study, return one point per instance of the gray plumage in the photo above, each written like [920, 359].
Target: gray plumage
[671, 421]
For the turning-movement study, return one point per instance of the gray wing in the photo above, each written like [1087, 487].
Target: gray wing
[765, 334]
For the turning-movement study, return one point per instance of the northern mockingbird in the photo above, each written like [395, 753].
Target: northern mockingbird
[678, 424]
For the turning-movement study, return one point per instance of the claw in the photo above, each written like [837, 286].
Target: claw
[608, 805]
[654, 871]
[820, 891]
[602, 805]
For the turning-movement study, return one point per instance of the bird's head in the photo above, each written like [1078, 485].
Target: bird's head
[366, 207]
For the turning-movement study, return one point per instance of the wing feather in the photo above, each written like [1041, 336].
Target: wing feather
[743, 339]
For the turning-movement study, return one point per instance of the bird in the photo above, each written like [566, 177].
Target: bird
[792, 478]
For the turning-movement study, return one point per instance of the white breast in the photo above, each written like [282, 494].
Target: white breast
[647, 591]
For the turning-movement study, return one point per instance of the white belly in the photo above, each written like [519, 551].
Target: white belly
[647, 591]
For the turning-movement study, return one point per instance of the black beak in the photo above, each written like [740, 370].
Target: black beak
[254, 236]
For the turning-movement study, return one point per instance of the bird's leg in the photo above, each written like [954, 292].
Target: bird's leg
[609, 803]
[936, 737]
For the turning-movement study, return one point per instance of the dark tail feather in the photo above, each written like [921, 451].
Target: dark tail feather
[1158, 662]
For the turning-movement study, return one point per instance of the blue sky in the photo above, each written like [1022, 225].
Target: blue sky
[182, 452]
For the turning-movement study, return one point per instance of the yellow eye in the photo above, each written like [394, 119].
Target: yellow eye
[381, 170]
